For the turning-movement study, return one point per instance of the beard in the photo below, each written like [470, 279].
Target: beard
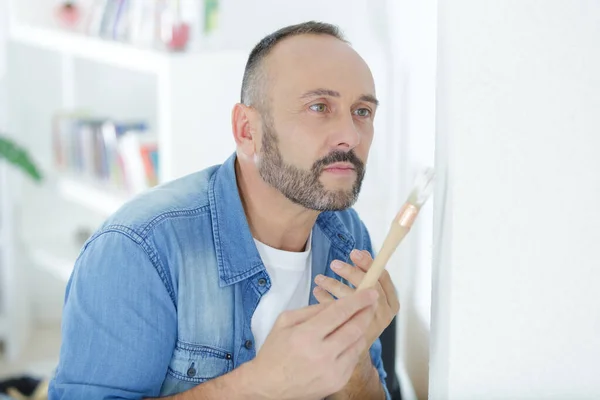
[303, 187]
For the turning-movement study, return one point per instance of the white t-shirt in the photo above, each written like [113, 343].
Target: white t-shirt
[290, 274]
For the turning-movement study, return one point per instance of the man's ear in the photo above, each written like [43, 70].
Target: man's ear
[244, 123]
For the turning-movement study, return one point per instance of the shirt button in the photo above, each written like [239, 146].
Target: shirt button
[342, 237]
[228, 356]
[262, 282]
[191, 372]
[248, 344]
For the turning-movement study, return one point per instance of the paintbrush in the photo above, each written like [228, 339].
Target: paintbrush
[400, 226]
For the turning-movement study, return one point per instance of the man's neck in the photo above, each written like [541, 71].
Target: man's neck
[273, 219]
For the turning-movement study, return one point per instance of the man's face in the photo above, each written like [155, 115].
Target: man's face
[317, 122]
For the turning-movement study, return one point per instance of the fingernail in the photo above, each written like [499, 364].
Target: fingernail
[319, 278]
[357, 254]
[337, 265]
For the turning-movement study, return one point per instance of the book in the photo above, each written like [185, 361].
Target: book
[118, 155]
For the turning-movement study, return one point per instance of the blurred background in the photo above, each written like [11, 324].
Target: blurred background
[498, 279]
[110, 97]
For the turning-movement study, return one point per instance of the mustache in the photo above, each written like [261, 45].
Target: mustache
[339, 156]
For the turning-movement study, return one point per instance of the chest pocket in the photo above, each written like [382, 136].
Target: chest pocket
[193, 364]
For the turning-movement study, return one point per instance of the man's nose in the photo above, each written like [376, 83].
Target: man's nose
[346, 136]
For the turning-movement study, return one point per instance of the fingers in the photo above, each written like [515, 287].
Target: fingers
[362, 259]
[390, 292]
[333, 286]
[339, 312]
[352, 331]
[295, 317]
[322, 296]
[352, 274]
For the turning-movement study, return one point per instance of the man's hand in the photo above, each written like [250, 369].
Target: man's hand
[312, 352]
[387, 305]
[364, 383]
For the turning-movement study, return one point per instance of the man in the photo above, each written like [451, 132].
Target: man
[202, 288]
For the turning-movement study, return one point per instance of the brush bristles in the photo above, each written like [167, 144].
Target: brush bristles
[423, 188]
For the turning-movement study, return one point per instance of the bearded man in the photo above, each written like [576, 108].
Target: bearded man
[237, 282]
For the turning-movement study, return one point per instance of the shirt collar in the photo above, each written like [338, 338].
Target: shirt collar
[237, 255]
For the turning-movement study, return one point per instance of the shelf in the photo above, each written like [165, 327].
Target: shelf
[92, 48]
[58, 265]
[93, 197]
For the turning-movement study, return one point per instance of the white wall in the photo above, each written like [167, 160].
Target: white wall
[516, 307]
[244, 23]
[413, 27]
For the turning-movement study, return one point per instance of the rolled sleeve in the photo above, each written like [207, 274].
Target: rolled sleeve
[119, 324]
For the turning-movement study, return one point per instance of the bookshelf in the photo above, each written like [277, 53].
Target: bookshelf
[190, 108]
[114, 53]
[185, 98]
[189, 111]
[94, 197]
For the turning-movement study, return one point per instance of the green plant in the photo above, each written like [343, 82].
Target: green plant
[18, 156]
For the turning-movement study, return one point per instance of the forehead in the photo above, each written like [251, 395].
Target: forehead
[307, 62]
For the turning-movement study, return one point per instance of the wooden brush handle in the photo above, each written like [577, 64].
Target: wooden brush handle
[391, 242]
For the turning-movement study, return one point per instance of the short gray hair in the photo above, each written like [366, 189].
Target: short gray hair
[254, 74]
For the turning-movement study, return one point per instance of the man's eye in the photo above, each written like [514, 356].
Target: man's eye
[319, 107]
[363, 112]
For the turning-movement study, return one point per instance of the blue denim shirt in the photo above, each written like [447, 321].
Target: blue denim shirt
[162, 295]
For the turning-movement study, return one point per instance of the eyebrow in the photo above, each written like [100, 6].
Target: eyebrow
[328, 92]
[369, 98]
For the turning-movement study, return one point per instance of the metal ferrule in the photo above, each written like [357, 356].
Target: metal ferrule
[408, 215]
